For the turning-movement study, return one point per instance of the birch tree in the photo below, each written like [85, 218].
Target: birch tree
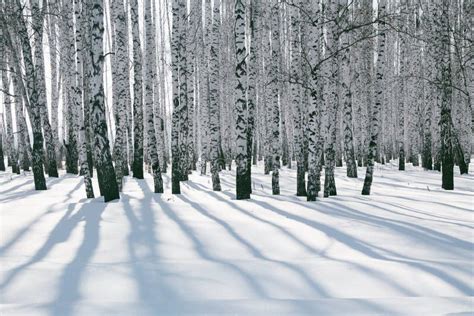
[175, 128]
[345, 93]
[79, 10]
[137, 94]
[331, 99]
[121, 86]
[242, 191]
[150, 65]
[105, 169]
[214, 113]
[444, 78]
[379, 90]
[274, 96]
[296, 96]
[315, 148]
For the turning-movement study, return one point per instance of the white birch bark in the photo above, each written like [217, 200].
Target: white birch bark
[150, 65]
[137, 168]
[105, 168]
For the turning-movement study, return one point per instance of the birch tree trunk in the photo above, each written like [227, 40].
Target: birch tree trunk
[183, 93]
[444, 78]
[121, 86]
[331, 97]
[313, 54]
[87, 69]
[205, 32]
[175, 127]
[275, 109]
[296, 96]
[68, 70]
[38, 15]
[241, 153]
[431, 92]
[55, 83]
[214, 113]
[8, 102]
[137, 95]
[346, 93]
[191, 43]
[150, 65]
[79, 10]
[379, 91]
[401, 96]
[254, 21]
[105, 168]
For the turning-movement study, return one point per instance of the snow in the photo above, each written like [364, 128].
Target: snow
[405, 249]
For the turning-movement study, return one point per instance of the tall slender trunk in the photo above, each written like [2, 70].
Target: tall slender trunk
[346, 95]
[105, 168]
[137, 94]
[183, 93]
[55, 84]
[8, 102]
[254, 20]
[214, 111]
[121, 89]
[296, 96]
[68, 71]
[241, 160]
[331, 98]
[175, 123]
[38, 15]
[150, 65]
[79, 13]
[315, 150]
[379, 91]
[275, 108]
[444, 77]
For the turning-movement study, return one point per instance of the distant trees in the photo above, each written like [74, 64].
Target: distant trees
[325, 83]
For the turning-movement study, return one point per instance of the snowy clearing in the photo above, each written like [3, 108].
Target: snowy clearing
[406, 249]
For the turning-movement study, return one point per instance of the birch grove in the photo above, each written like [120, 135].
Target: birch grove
[97, 87]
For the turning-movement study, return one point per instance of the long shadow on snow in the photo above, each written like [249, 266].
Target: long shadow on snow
[458, 208]
[434, 218]
[20, 233]
[68, 292]
[16, 187]
[202, 251]
[50, 183]
[412, 188]
[318, 253]
[366, 249]
[70, 281]
[60, 233]
[146, 269]
[139, 233]
[426, 235]
[254, 251]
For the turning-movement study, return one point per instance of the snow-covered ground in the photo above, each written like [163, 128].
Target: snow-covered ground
[406, 249]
